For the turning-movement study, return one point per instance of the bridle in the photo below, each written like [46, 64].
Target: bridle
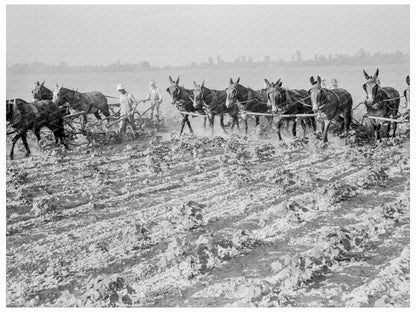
[322, 97]
[42, 90]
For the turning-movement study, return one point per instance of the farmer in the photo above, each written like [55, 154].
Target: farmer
[155, 97]
[126, 108]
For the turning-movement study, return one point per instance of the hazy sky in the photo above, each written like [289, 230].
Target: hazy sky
[177, 35]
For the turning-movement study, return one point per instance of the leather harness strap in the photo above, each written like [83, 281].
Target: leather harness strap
[34, 109]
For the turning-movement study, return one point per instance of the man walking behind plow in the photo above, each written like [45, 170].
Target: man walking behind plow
[155, 97]
[126, 109]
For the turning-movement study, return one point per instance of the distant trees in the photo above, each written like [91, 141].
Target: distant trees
[361, 56]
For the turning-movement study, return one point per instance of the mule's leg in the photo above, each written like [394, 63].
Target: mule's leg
[325, 130]
[279, 127]
[97, 115]
[313, 122]
[36, 131]
[347, 122]
[189, 124]
[388, 129]
[294, 124]
[14, 140]
[376, 128]
[232, 124]
[303, 125]
[205, 122]
[222, 123]
[25, 144]
[84, 119]
[182, 124]
[394, 129]
[211, 124]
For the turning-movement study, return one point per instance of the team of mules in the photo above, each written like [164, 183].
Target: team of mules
[319, 104]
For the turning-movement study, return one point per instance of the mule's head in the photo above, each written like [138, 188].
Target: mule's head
[174, 90]
[40, 92]
[406, 92]
[58, 95]
[198, 94]
[317, 94]
[274, 95]
[232, 93]
[371, 87]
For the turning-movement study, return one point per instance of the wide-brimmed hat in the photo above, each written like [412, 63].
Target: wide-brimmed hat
[120, 87]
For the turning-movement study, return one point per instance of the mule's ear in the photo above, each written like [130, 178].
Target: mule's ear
[279, 84]
[268, 85]
[195, 85]
[42, 83]
[56, 86]
[319, 80]
[376, 74]
[37, 83]
[202, 84]
[170, 79]
[177, 80]
[312, 80]
[238, 80]
[408, 80]
[231, 81]
[366, 76]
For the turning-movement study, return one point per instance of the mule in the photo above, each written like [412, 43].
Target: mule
[246, 100]
[182, 99]
[24, 116]
[213, 102]
[285, 101]
[88, 102]
[328, 105]
[40, 92]
[380, 102]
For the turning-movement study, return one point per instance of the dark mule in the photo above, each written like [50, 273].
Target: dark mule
[88, 102]
[327, 105]
[213, 102]
[182, 98]
[284, 101]
[246, 100]
[380, 102]
[24, 116]
[41, 93]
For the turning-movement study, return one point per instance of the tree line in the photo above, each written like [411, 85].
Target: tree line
[361, 57]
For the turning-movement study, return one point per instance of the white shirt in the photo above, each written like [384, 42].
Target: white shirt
[154, 94]
[126, 103]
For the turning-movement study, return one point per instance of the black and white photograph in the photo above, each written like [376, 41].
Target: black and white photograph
[195, 155]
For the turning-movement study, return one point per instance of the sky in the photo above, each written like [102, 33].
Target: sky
[178, 35]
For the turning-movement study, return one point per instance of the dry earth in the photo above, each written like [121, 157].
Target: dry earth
[210, 221]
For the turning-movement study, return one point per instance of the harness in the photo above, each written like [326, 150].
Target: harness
[34, 110]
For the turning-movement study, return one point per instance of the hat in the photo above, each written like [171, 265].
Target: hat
[120, 87]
